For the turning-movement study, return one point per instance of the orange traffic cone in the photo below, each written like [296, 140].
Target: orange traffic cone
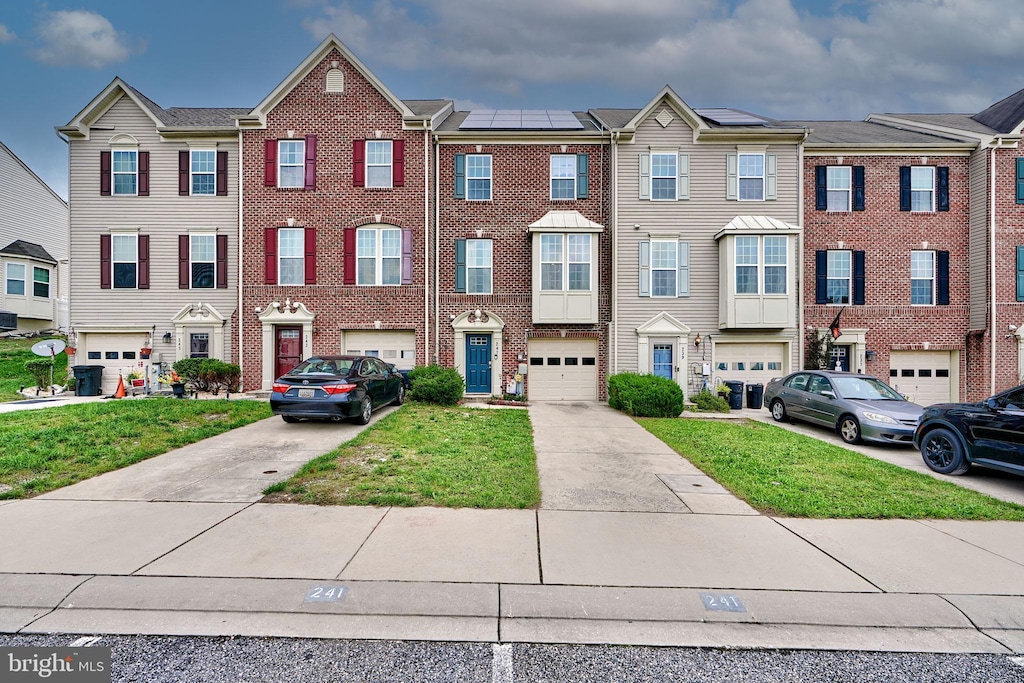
[119, 393]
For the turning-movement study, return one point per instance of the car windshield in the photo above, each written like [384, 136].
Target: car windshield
[323, 366]
[865, 388]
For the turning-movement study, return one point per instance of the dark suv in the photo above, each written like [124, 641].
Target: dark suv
[954, 436]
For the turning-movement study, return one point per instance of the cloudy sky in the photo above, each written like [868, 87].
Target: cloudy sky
[817, 59]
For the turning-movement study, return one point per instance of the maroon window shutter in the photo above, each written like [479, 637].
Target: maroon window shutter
[105, 260]
[398, 163]
[183, 163]
[143, 261]
[144, 175]
[222, 261]
[222, 174]
[105, 175]
[310, 183]
[184, 274]
[270, 256]
[407, 256]
[358, 163]
[310, 261]
[349, 260]
[270, 163]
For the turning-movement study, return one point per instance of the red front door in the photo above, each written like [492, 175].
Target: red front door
[288, 349]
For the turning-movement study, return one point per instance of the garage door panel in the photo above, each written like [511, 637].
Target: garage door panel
[749, 362]
[924, 376]
[398, 348]
[112, 349]
[562, 370]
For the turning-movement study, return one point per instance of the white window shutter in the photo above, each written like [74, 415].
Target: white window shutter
[683, 179]
[645, 175]
[771, 181]
[683, 266]
[732, 180]
[645, 268]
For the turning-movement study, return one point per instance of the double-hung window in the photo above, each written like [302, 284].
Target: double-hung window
[840, 272]
[291, 163]
[922, 188]
[922, 278]
[478, 177]
[41, 282]
[762, 264]
[291, 246]
[125, 261]
[751, 177]
[203, 261]
[839, 188]
[478, 266]
[551, 262]
[378, 163]
[664, 179]
[125, 171]
[664, 267]
[563, 176]
[378, 256]
[746, 265]
[579, 262]
[565, 262]
[776, 263]
[16, 279]
[203, 172]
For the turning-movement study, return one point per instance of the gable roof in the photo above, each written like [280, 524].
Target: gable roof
[32, 173]
[1006, 115]
[28, 249]
[669, 96]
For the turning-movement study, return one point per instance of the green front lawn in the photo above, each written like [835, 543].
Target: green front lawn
[791, 475]
[426, 455]
[13, 355]
[42, 450]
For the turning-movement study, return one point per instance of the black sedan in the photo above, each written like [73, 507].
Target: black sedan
[954, 436]
[336, 388]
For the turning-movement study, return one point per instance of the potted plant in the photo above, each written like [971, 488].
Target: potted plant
[136, 378]
[145, 352]
[175, 381]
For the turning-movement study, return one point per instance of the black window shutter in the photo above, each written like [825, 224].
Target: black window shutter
[858, 278]
[183, 172]
[460, 266]
[222, 261]
[858, 188]
[942, 188]
[821, 276]
[820, 188]
[222, 174]
[942, 277]
[904, 188]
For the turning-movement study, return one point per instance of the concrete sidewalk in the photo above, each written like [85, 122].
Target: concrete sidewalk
[631, 545]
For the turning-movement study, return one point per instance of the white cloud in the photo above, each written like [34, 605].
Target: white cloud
[6, 35]
[80, 38]
[883, 55]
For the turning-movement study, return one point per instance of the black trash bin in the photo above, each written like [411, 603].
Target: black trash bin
[736, 393]
[88, 379]
[755, 396]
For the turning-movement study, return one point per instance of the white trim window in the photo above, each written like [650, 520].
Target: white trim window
[565, 262]
[664, 176]
[762, 264]
[839, 187]
[378, 256]
[922, 278]
[124, 261]
[563, 176]
[746, 265]
[291, 163]
[378, 163]
[291, 260]
[203, 172]
[776, 264]
[202, 255]
[16, 279]
[751, 177]
[478, 177]
[839, 276]
[664, 268]
[41, 282]
[579, 263]
[125, 172]
[551, 262]
[479, 260]
[922, 188]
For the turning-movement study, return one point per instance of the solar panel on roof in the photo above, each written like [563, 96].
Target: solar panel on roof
[731, 117]
[520, 119]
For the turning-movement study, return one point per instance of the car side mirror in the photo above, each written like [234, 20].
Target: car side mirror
[991, 404]
[828, 393]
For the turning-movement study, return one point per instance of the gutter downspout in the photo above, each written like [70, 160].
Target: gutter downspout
[800, 260]
[426, 245]
[992, 267]
[67, 141]
[437, 256]
[612, 137]
[238, 274]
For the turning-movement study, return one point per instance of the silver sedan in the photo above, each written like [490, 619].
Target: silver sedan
[856, 406]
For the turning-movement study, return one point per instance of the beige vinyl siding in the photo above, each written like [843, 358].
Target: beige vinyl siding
[695, 220]
[163, 215]
[978, 241]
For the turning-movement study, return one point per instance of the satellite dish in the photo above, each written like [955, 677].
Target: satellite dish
[49, 347]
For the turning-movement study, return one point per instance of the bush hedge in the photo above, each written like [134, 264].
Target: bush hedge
[208, 374]
[707, 402]
[645, 395]
[41, 370]
[436, 384]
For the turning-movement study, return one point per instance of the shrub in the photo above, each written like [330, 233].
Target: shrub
[40, 370]
[436, 384]
[645, 395]
[707, 402]
[208, 374]
[188, 368]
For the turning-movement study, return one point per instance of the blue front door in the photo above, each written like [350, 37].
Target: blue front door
[663, 360]
[478, 363]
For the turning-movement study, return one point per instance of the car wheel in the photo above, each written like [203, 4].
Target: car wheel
[849, 429]
[778, 411]
[289, 419]
[943, 452]
[365, 410]
[400, 396]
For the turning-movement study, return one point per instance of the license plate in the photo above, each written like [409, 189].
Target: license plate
[307, 393]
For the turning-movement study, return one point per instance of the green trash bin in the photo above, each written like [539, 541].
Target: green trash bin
[88, 379]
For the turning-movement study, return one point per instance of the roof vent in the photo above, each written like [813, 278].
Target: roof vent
[335, 80]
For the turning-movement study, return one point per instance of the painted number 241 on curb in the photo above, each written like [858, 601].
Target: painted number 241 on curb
[325, 593]
[722, 602]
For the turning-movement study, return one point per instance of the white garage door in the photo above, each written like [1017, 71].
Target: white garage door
[119, 354]
[398, 348]
[562, 370]
[924, 376]
[749, 363]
